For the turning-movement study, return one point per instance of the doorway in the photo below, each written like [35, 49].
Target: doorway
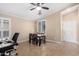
[69, 31]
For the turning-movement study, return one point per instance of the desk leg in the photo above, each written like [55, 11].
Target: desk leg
[43, 38]
[29, 40]
[39, 42]
[44, 41]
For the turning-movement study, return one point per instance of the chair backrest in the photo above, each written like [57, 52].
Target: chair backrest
[34, 36]
[15, 37]
[30, 35]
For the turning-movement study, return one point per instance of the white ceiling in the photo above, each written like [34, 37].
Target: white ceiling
[23, 9]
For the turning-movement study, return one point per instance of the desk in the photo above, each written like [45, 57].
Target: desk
[37, 38]
[4, 46]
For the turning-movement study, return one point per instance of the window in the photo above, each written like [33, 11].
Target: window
[0, 34]
[6, 24]
[5, 34]
[0, 28]
[41, 26]
[4, 28]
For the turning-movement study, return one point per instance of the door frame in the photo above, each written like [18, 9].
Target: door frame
[64, 12]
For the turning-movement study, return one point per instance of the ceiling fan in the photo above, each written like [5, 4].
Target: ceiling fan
[39, 7]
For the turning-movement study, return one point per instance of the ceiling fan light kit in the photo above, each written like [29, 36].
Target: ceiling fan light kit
[38, 8]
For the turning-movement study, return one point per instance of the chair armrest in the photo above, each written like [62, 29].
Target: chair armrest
[10, 41]
[0, 42]
[15, 44]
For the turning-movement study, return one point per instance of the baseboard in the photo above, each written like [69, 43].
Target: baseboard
[46, 40]
[22, 41]
[72, 42]
[54, 41]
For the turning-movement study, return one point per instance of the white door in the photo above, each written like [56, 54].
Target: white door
[69, 31]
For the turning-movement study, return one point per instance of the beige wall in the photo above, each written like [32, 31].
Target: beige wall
[36, 26]
[24, 27]
[78, 27]
[53, 29]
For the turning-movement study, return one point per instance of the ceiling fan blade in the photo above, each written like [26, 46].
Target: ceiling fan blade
[38, 4]
[42, 3]
[33, 4]
[45, 8]
[32, 9]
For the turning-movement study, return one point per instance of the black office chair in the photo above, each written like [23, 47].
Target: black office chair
[15, 37]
